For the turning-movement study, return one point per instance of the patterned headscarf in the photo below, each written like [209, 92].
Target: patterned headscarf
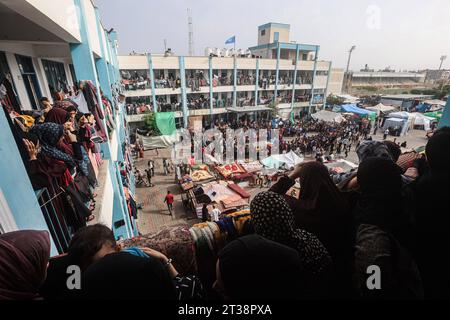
[49, 134]
[273, 219]
[369, 149]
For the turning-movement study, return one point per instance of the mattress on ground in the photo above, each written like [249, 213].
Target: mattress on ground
[239, 190]
[228, 169]
[200, 175]
[253, 166]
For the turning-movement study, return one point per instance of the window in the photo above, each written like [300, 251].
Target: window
[263, 32]
[56, 76]
[72, 73]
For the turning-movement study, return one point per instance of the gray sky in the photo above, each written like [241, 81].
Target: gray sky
[401, 34]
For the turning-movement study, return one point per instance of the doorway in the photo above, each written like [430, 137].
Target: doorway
[30, 80]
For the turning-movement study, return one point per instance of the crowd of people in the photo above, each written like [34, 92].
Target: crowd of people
[387, 215]
[60, 148]
[324, 138]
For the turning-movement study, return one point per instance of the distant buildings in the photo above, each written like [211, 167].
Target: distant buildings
[437, 76]
[364, 79]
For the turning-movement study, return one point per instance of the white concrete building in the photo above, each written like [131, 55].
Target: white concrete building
[216, 87]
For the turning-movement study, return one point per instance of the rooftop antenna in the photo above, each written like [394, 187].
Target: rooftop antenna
[191, 32]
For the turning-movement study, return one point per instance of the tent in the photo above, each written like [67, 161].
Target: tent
[401, 115]
[381, 108]
[397, 122]
[359, 111]
[422, 120]
[289, 159]
[328, 116]
[435, 102]
[430, 105]
[402, 118]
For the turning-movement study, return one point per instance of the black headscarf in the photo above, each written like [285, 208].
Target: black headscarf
[57, 115]
[317, 189]
[381, 202]
[273, 219]
[126, 276]
[437, 151]
[253, 267]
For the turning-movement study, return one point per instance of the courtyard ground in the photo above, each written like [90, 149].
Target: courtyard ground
[154, 214]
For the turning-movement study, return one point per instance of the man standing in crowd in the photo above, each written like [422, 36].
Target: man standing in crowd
[151, 167]
[169, 201]
[149, 177]
[165, 166]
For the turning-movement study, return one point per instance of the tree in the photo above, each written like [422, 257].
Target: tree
[334, 100]
[150, 122]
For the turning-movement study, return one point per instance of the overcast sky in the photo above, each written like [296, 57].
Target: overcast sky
[401, 34]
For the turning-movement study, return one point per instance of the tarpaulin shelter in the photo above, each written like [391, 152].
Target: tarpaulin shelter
[435, 102]
[402, 118]
[158, 141]
[436, 115]
[381, 108]
[328, 116]
[357, 110]
[165, 122]
[422, 120]
[289, 159]
[397, 122]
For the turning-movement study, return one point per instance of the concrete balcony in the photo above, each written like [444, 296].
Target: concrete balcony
[137, 93]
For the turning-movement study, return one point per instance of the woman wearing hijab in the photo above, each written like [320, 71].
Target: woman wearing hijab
[322, 210]
[24, 257]
[384, 230]
[429, 205]
[57, 115]
[253, 267]
[273, 219]
[51, 135]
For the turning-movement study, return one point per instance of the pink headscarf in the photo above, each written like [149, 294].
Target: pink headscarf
[24, 257]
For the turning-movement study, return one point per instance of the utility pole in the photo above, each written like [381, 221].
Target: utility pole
[165, 45]
[191, 33]
[442, 58]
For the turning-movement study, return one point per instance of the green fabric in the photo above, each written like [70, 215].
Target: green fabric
[165, 122]
[436, 114]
